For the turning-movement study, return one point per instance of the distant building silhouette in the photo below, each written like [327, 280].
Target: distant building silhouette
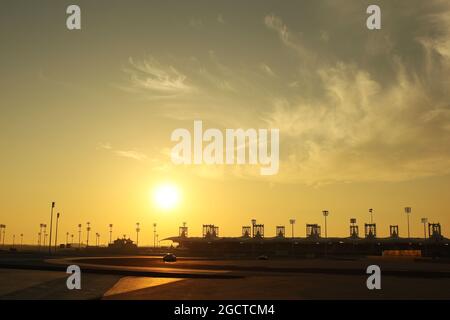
[123, 244]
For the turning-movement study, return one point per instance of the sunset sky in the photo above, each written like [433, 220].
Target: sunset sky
[86, 116]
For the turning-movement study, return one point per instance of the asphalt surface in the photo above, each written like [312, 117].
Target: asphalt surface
[141, 277]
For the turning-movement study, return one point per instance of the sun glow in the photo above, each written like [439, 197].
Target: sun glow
[166, 196]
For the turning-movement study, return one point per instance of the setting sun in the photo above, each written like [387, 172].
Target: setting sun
[166, 196]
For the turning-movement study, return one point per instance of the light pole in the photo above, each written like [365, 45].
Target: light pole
[88, 229]
[157, 241]
[97, 239]
[2, 233]
[79, 235]
[408, 211]
[14, 240]
[137, 233]
[44, 230]
[371, 215]
[110, 233]
[292, 222]
[325, 214]
[71, 242]
[51, 223]
[40, 235]
[424, 221]
[56, 231]
[67, 238]
[154, 235]
[21, 240]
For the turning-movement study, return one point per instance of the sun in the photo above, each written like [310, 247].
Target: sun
[166, 196]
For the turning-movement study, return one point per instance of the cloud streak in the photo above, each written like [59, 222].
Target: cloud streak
[130, 154]
[161, 81]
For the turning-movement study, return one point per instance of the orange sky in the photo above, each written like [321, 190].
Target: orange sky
[87, 115]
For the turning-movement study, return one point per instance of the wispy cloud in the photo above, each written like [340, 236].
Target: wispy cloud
[287, 37]
[104, 146]
[267, 70]
[157, 80]
[131, 154]
[135, 155]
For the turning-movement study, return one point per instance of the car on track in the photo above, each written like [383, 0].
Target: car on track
[169, 257]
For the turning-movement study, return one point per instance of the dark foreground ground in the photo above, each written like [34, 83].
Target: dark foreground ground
[142, 277]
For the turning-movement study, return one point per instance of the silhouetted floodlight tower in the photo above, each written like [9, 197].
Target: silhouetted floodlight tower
[424, 221]
[67, 238]
[280, 231]
[393, 231]
[21, 240]
[371, 215]
[110, 232]
[210, 231]
[354, 230]
[97, 239]
[157, 241]
[71, 241]
[183, 231]
[56, 231]
[137, 233]
[79, 235]
[325, 214]
[292, 222]
[408, 212]
[253, 227]
[312, 231]
[88, 228]
[51, 224]
[246, 230]
[370, 230]
[45, 238]
[154, 235]
[434, 231]
[258, 230]
[14, 240]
